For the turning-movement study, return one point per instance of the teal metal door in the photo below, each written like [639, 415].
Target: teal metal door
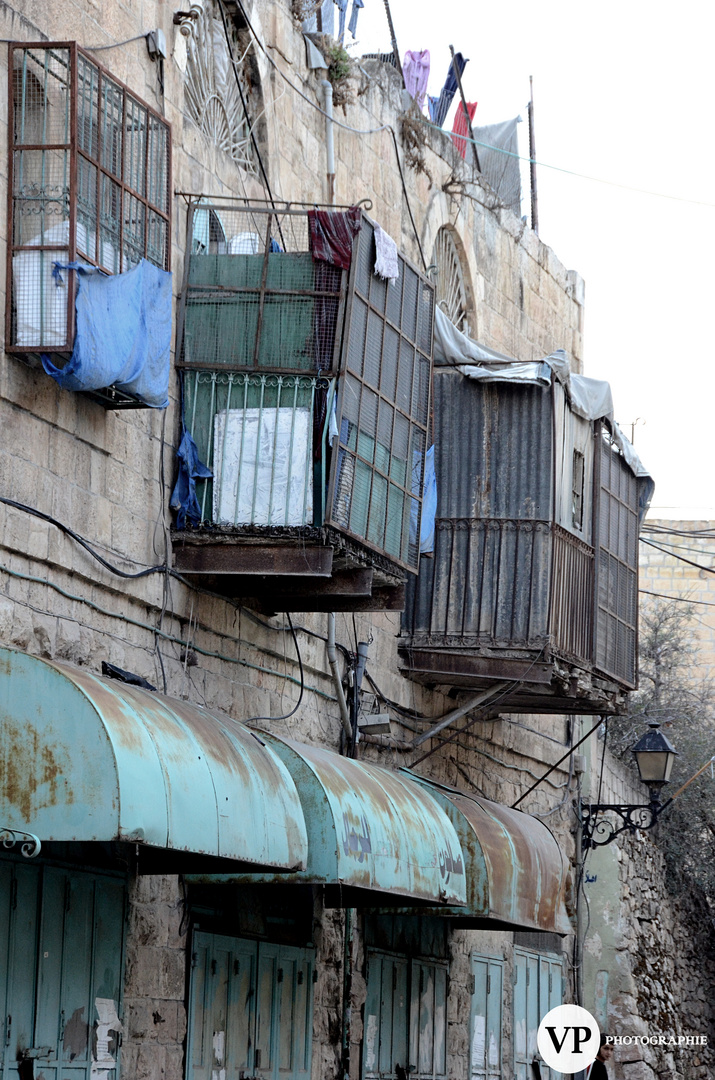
[405, 1019]
[250, 1010]
[485, 1052]
[61, 958]
[538, 988]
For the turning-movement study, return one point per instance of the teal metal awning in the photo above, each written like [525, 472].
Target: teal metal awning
[369, 828]
[516, 872]
[85, 758]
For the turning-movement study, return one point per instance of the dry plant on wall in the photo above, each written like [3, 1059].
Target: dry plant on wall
[678, 692]
[414, 141]
[303, 9]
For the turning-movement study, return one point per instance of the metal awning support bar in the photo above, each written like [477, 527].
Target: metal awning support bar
[472, 703]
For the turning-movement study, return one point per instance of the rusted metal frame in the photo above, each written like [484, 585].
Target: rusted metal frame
[240, 559]
[269, 207]
[237, 291]
[72, 277]
[106, 75]
[351, 289]
[474, 702]
[181, 313]
[10, 196]
[262, 292]
[218, 367]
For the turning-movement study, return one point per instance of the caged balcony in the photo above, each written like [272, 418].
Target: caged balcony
[532, 595]
[89, 177]
[306, 393]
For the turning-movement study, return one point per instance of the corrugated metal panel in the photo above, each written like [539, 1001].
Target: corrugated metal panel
[516, 871]
[489, 580]
[84, 758]
[369, 828]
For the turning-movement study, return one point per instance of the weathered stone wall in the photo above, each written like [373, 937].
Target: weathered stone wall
[107, 475]
[649, 960]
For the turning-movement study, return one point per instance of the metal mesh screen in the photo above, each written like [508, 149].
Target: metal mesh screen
[256, 433]
[384, 405]
[100, 194]
[254, 296]
[616, 638]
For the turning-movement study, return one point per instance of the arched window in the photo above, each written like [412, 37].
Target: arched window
[213, 100]
[451, 289]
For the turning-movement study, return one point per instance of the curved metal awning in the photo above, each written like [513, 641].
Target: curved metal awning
[515, 869]
[87, 759]
[369, 828]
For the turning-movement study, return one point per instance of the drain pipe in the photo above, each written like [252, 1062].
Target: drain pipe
[337, 681]
[329, 148]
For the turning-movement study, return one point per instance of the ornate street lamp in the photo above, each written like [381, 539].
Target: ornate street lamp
[654, 755]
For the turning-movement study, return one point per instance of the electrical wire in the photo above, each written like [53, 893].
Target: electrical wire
[116, 44]
[256, 719]
[568, 172]
[159, 569]
[681, 558]
[678, 599]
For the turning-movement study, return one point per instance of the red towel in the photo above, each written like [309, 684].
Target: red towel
[461, 127]
[332, 233]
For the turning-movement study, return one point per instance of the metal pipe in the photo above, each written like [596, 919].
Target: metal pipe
[337, 681]
[329, 147]
[472, 703]
[532, 160]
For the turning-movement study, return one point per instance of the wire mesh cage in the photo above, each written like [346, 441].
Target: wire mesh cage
[306, 388]
[89, 177]
[254, 296]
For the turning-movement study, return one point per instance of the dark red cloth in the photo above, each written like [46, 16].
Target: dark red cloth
[461, 127]
[332, 233]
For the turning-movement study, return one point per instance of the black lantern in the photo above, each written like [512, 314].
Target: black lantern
[655, 755]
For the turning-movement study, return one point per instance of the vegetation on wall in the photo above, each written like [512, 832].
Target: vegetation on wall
[678, 693]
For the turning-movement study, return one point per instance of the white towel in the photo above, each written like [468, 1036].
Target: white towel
[386, 262]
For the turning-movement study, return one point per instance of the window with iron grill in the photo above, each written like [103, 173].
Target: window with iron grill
[89, 177]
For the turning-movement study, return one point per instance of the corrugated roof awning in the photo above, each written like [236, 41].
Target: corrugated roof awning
[369, 828]
[515, 869]
[88, 759]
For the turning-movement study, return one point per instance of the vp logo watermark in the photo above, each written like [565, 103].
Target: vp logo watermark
[568, 1038]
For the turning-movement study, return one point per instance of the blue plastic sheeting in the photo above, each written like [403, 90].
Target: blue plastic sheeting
[183, 498]
[429, 501]
[123, 335]
[429, 505]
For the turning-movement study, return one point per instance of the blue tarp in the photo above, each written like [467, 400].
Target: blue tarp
[123, 334]
[429, 501]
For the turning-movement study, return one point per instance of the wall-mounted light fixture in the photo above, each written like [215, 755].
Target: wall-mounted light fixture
[654, 756]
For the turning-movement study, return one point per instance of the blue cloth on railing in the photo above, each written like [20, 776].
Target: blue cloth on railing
[123, 333]
[183, 497]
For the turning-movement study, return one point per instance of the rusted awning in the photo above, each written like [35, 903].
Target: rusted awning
[515, 869]
[369, 828]
[85, 758]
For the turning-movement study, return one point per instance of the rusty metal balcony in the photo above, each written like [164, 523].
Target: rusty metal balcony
[306, 392]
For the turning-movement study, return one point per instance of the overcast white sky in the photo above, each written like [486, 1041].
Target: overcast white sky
[622, 93]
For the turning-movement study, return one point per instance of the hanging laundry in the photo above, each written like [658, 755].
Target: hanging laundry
[386, 262]
[342, 6]
[415, 69]
[461, 126]
[191, 469]
[448, 90]
[432, 103]
[332, 233]
[352, 25]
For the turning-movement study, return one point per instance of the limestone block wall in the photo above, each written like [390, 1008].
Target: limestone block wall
[107, 475]
[664, 574]
[649, 960]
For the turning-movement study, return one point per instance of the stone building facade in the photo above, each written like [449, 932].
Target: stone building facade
[80, 480]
